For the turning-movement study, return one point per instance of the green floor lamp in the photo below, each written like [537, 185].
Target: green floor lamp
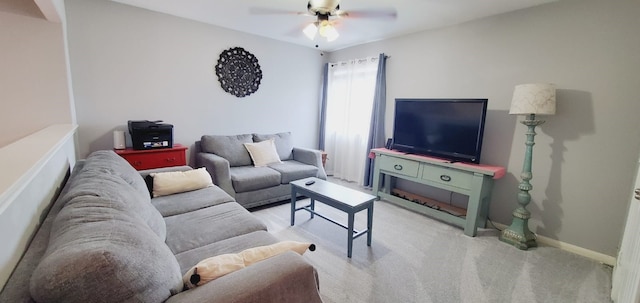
[529, 100]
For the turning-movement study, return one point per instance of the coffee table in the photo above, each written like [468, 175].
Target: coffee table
[339, 197]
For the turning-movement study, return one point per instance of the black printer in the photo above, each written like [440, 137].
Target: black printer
[147, 134]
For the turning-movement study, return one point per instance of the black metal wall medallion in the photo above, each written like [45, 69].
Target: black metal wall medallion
[238, 72]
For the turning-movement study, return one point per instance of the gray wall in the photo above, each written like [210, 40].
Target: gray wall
[132, 64]
[33, 77]
[585, 156]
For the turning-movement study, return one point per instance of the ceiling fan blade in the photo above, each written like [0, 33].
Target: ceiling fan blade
[274, 11]
[390, 13]
[295, 31]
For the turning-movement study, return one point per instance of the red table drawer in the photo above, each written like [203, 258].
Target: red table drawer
[155, 158]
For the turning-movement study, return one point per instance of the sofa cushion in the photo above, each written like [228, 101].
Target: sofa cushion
[293, 170]
[189, 258]
[189, 201]
[99, 251]
[228, 147]
[283, 142]
[248, 178]
[263, 153]
[204, 226]
[264, 196]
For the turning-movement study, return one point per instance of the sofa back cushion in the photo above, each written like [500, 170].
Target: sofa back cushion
[283, 142]
[99, 251]
[117, 191]
[109, 161]
[229, 147]
[107, 175]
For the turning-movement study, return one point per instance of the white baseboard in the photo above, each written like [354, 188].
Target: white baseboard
[594, 255]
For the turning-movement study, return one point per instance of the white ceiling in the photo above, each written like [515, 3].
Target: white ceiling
[412, 16]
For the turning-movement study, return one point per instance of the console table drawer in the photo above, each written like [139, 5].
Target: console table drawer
[400, 166]
[444, 175]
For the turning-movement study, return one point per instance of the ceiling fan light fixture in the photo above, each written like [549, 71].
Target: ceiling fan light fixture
[331, 33]
[327, 30]
[310, 31]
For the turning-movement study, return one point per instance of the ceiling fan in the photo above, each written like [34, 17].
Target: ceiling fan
[323, 9]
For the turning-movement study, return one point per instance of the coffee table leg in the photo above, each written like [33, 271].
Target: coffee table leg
[369, 223]
[350, 234]
[293, 205]
[313, 206]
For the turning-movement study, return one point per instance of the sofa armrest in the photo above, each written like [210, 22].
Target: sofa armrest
[311, 157]
[283, 278]
[218, 168]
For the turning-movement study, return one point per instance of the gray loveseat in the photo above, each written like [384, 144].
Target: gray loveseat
[231, 167]
[106, 240]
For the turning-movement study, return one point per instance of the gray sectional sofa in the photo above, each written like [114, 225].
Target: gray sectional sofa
[232, 169]
[106, 240]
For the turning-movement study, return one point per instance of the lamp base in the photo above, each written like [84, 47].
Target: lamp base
[518, 234]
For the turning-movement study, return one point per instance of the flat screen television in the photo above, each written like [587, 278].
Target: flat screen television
[451, 129]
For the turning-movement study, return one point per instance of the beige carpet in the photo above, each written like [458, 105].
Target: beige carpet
[414, 258]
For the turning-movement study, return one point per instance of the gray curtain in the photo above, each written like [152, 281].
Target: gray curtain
[323, 106]
[376, 133]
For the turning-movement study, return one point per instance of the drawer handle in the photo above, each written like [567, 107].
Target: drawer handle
[137, 163]
[397, 167]
[637, 193]
[445, 178]
[171, 159]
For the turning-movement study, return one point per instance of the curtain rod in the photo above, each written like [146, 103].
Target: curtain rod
[334, 63]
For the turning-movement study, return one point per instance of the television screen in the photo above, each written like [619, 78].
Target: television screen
[445, 128]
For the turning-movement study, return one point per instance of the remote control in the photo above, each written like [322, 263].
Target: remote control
[309, 182]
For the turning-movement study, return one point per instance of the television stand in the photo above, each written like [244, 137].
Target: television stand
[472, 180]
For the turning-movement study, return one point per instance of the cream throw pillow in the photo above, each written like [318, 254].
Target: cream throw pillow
[167, 183]
[263, 152]
[215, 267]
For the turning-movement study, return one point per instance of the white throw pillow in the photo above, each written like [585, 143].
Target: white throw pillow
[167, 183]
[263, 152]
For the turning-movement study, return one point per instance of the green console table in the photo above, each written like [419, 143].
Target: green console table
[474, 181]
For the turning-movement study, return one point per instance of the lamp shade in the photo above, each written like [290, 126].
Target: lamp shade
[538, 98]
